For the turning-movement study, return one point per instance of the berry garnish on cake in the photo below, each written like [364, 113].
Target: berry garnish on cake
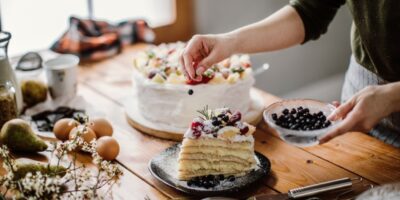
[161, 65]
[217, 143]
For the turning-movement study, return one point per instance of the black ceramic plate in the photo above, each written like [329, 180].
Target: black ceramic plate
[164, 167]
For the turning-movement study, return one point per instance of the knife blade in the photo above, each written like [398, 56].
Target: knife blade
[308, 191]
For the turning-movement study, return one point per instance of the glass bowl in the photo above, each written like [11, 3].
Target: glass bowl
[299, 138]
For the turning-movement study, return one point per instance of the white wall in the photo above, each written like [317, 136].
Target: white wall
[290, 69]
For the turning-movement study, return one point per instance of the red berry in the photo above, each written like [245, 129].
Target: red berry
[152, 74]
[244, 130]
[204, 79]
[191, 82]
[196, 133]
[236, 116]
[195, 125]
[246, 65]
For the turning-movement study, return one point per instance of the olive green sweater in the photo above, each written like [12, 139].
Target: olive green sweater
[375, 32]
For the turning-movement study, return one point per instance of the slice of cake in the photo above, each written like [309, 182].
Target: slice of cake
[217, 143]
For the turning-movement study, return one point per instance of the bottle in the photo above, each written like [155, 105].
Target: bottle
[8, 103]
[8, 80]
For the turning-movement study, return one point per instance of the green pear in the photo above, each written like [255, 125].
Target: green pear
[18, 136]
[33, 92]
[33, 167]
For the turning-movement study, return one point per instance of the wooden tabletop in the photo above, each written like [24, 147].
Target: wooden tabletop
[106, 84]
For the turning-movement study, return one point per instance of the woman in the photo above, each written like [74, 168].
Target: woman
[371, 91]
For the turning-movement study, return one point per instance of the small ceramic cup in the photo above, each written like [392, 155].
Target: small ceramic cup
[62, 76]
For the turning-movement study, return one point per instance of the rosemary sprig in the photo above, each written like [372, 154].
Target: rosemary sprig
[206, 113]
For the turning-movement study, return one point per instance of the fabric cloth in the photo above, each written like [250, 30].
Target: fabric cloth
[93, 40]
[375, 30]
[358, 77]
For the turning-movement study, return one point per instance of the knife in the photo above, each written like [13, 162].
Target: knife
[307, 191]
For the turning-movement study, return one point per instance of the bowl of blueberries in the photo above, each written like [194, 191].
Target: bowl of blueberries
[300, 122]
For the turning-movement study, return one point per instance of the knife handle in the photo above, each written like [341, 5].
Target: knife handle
[319, 188]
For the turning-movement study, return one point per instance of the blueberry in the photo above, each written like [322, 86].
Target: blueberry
[327, 123]
[190, 183]
[293, 111]
[221, 177]
[231, 178]
[306, 110]
[216, 122]
[225, 118]
[274, 116]
[285, 111]
[299, 108]
[190, 91]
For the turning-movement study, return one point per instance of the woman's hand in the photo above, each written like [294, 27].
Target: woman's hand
[203, 51]
[363, 111]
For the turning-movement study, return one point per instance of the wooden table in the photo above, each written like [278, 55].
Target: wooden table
[106, 84]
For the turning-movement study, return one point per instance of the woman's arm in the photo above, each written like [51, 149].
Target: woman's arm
[282, 29]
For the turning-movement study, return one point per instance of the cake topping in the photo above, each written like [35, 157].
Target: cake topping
[220, 123]
[161, 65]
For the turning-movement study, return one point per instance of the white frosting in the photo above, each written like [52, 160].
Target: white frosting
[236, 138]
[170, 104]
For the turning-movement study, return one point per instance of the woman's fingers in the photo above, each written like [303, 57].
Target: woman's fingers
[341, 111]
[207, 62]
[188, 65]
[192, 53]
[183, 64]
[345, 126]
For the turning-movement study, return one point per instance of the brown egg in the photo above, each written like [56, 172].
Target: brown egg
[101, 127]
[107, 147]
[63, 127]
[88, 135]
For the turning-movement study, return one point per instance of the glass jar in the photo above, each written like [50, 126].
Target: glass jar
[7, 74]
[8, 103]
